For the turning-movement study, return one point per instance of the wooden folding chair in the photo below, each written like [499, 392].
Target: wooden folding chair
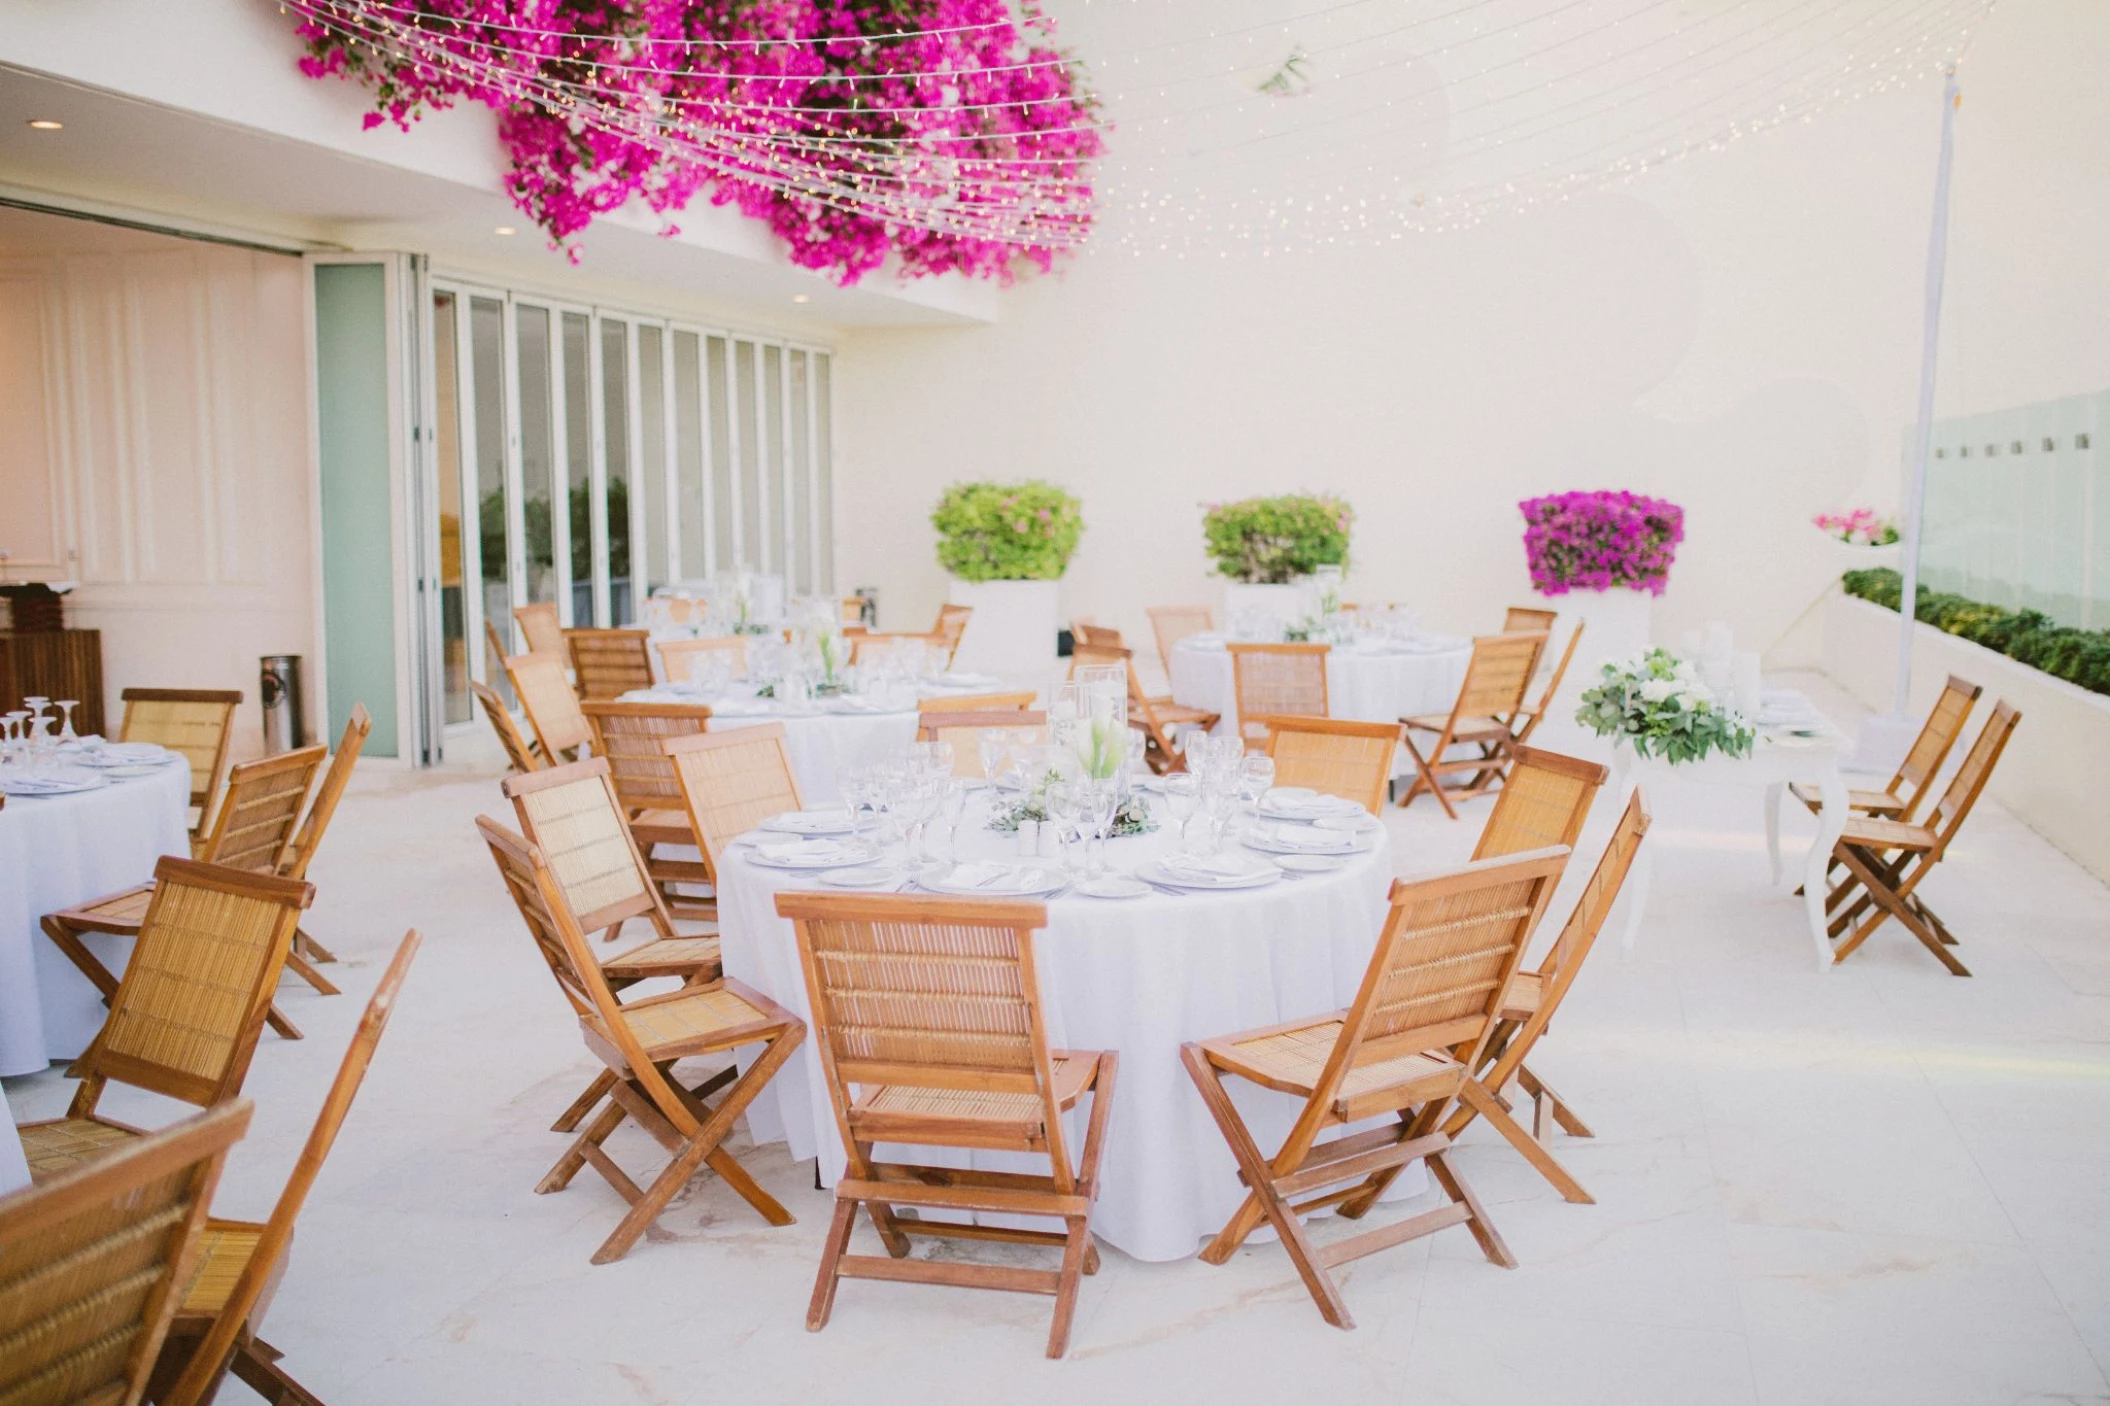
[94, 1260]
[1172, 623]
[1523, 724]
[1335, 758]
[495, 645]
[952, 628]
[1528, 1009]
[1545, 802]
[1276, 680]
[609, 663]
[1495, 679]
[731, 782]
[193, 722]
[1160, 718]
[1914, 782]
[252, 833]
[301, 853]
[930, 1033]
[1084, 632]
[1886, 860]
[678, 657]
[964, 731]
[1419, 1026]
[185, 1019]
[541, 628]
[976, 702]
[551, 706]
[872, 647]
[629, 735]
[215, 1328]
[1526, 619]
[521, 754]
[640, 1043]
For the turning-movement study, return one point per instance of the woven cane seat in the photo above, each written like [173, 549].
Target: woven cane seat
[224, 1251]
[1072, 1073]
[686, 1022]
[1873, 802]
[684, 957]
[62, 1144]
[1170, 712]
[1887, 834]
[115, 913]
[1476, 729]
[1292, 1061]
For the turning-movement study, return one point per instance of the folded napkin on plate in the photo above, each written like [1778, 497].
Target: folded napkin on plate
[1314, 841]
[50, 785]
[811, 819]
[124, 753]
[981, 876]
[1213, 866]
[812, 852]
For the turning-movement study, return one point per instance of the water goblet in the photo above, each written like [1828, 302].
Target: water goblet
[990, 745]
[1064, 802]
[939, 759]
[1256, 776]
[66, 706]
[1101, 803]
[957, 794]
[1183, 796]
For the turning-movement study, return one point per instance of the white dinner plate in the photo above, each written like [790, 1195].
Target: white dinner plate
[992, 880]
[871, 876]
[1302, 839]
[65, 784]
[817, 854]
[129, 754]
[1309, 863]
[131, 769]
[1275, 806]
[810, 822]
[1361, 823]
[1114, 886]
[1236, 871]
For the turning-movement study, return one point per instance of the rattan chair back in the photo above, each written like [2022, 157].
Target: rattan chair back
[520, 753]
[964, 731]
[1278, 680]
[628, 737]
[733, 781]
[574, 816]
[339, 775]
[1352, 760]
[1497, 675]
[516, 860]
[678, 657]
[541, 628]
[1526, 619]
[1173, 623]
[1913, 783]
[193, 722]
[610, 663]
[952, 627]
[94, 1261]
[977, 702]
[1523, 727]
[551, 706]
[1544, 802]
[258, 814]
[1579, 934]
[1965, 786]
[1084, 632]
[214, 1353]
[190, 1006]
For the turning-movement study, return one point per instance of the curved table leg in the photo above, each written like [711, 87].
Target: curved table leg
[1830, 821]
[1773, 792]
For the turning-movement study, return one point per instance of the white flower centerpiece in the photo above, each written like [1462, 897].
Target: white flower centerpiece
[1657, 705]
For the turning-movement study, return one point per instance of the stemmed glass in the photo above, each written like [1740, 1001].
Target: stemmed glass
[990, 745]
[957, 793]
[1064, 802]
[1101, 801]
[66, 707]
[1183, 796]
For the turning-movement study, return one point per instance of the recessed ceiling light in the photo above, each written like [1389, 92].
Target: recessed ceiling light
[46, 124]
[505, 229]
[801, 298]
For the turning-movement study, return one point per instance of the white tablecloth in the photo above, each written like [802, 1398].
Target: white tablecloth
[1139, 976]
[14, 1166]
[1360, 687]
[56, 851]
[820, 742]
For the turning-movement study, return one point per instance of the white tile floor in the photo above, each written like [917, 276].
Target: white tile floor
[1881, 1184]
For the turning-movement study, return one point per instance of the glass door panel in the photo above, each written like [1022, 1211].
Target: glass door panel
[652, 456]
[747, 482]
[692, 527]
[824, 469]
[799, 469]
[615, 435]
[538, 460]
[578, 464]
[454, 635]
[774, 538]
[725, 519]
[487, 380]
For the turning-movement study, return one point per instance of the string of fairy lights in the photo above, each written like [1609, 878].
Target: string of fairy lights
[1228, 125]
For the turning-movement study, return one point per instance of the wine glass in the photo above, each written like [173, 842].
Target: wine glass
[1064, 802]
[1101, 801]
[1183, 796]
[938, 758]
[1256, 777]
[990, 745]
[66, 707]
[957, 793]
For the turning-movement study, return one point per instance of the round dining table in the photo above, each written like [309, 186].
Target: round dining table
[1139, 976]
[58, 851]
[1372, 681]
[825, 735]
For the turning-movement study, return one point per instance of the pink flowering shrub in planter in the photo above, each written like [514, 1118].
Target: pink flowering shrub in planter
[1599, 541]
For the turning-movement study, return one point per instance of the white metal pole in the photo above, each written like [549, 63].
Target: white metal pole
[1916, 480]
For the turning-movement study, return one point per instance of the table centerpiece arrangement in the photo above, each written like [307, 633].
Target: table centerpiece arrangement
[1657, 705]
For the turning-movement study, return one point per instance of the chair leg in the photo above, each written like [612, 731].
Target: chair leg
[584, 1148]
[76, 951]
[832, 1248]
[308, 947]
[1547, 1099]
[1542, 1161]
[256, 1364]
[583, 1104]
[1483, 1229]
[1425, 779]
[302, 968]
[286, 1029]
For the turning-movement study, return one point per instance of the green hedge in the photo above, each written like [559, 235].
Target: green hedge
[2077, 656]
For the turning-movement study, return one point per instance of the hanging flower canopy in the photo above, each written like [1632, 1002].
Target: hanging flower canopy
[939, 131]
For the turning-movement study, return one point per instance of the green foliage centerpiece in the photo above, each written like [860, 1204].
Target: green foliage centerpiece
[1657, 705]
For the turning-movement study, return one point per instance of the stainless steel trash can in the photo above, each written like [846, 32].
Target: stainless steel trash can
[278, 686]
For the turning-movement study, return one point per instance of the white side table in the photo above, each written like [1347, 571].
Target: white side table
[1773, 763]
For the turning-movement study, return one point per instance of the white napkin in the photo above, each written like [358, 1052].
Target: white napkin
[812, 852]
[57, 784]
[1211, 866]
[811, 820]
[1297, 837]
[982, 876]
[128, 753]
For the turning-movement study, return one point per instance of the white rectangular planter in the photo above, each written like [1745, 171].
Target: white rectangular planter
[1289, 602]
[2051, 774]
[1012, 632]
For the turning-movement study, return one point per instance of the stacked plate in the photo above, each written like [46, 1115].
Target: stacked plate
[64, 782]
[991, 880]
[1300, 803]
[1205, 873]
[814, 854]
[1300, 839]
[809, 822]
[127, 754]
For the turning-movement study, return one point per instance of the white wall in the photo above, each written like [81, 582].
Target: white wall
[161, 459]
[1738, 332]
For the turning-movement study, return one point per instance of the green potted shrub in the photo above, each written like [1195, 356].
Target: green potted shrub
[1268, 548]
[1006, 546]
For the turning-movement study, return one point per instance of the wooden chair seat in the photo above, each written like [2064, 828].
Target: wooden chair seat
[694, 1022]
[663, 827]
[1479, 729]
[1292, 1061]
[1882, 804]
[224, 1251]
[1171, 712]
[61, 1144]
[119, 913]
[886, 1113]
[1887, 834]
[681, 957]
[1527, 991]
